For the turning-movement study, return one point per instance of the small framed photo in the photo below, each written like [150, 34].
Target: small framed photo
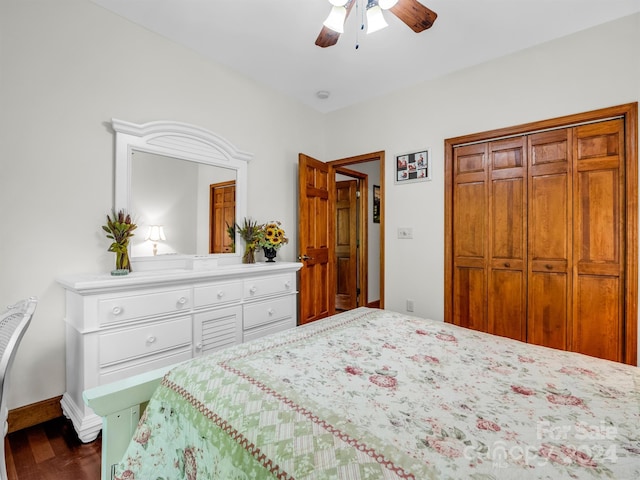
[413, 167]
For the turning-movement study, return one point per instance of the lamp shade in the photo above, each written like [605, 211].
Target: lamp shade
[375, 19]
[387, 4]
[340, 3]
[155, 233]
[336, 18]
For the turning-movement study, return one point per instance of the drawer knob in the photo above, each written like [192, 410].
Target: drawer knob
[253, 290]
[220, 294]
[117, 310]
[151, 339]
[271, 311]
[182, 301]
[199, 346]
[287, 284]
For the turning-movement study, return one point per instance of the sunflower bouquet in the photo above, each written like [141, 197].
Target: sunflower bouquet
[273, 236]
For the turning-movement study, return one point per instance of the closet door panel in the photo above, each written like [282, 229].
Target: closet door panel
[470, 220]
[507, 304]
[599, 242]
[508, 215]
[507, 300]
[547, 322]
[470, 298]
[549, 241]
[598, 333]
[549, 213]
[597, 220]
[507, 271]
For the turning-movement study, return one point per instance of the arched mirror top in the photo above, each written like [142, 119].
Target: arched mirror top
[153, 159]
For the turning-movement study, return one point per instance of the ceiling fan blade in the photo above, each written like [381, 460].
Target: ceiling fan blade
[414, 14]
[328, 37]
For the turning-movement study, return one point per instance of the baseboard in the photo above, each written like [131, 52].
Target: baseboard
[374, 304]
[30, 415]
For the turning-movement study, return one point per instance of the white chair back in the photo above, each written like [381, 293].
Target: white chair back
[13, 323]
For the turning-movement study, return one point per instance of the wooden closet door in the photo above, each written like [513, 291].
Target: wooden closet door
[507, 272]
[599, 206]
[550, 229]
[469, 240]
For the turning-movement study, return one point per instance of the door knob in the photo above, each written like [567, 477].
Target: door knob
[304, 257]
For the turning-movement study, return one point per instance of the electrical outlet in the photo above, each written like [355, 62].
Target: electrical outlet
[409, 305]
[405, 233]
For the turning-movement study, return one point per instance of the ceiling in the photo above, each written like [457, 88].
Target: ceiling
[272, 42]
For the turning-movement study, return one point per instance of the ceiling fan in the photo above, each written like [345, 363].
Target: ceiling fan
[414, 14]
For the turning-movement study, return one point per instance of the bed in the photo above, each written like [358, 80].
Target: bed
[373, 394]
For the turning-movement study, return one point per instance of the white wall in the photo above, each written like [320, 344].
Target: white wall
[593, 69]
[67, 68]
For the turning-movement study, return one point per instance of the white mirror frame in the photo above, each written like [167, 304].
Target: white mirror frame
[182, 141]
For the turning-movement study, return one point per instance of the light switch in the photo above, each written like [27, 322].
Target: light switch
[405, 233]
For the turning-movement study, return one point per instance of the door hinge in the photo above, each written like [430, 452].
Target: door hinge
[358, 194]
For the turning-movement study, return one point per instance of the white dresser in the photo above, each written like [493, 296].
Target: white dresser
[121, 326]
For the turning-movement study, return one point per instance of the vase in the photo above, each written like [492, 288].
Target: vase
[269, 253]
[123, 266]
[249, 255]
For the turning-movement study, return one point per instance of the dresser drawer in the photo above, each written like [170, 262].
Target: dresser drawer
[144, 340]
[260, 287]
[218, 293]
[123, 308]
[120, 371]
[268, 329]
[262, 313]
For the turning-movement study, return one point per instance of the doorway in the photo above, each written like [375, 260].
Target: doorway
[351, 239]
[365, 264]
[222, 216]
[317, 283]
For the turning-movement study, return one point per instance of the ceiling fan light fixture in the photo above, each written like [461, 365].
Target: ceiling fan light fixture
[375, 19]
[387, 4]
[336, 18]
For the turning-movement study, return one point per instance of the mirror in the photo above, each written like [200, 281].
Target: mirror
[165, 176]
[182, 208]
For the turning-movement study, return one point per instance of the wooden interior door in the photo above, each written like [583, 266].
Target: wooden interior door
[346, 248]
[315, 232]
[222, 213]
[507, 272]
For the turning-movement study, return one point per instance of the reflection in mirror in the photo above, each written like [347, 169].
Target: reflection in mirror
[177, 195]
[176, 175]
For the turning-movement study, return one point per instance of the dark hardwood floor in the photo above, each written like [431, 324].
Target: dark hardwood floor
[51, 451]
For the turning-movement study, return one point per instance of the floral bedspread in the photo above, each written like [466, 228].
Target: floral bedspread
[372, 394]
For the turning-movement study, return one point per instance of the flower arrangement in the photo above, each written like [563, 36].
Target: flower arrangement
[120, 229]
[273, 236]
[251, 233]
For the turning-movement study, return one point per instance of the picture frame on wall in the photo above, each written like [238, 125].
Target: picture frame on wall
[376, 204]
[413, 167]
